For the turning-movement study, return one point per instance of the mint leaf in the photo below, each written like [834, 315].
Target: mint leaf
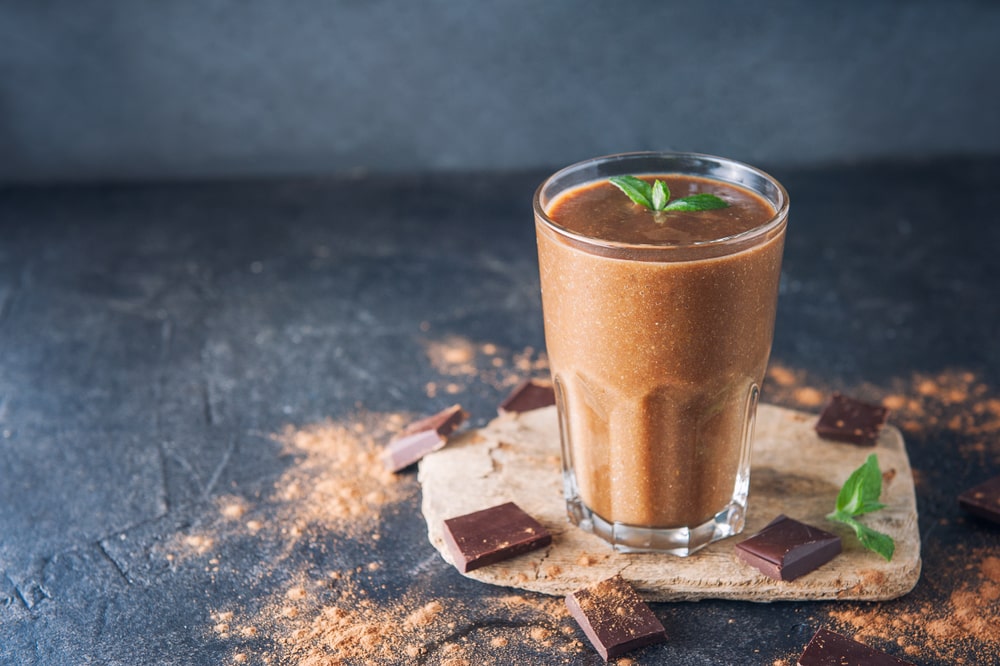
[871, 539]
[697, 202]
[862, 489]
[661, 194]
[635, 189]
[860, 496]
[656, 196]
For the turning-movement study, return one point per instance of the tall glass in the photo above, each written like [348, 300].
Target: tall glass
[657, 353]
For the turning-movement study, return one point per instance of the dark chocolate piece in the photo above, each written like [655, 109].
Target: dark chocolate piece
[614, 618]
[831, 649]
[786, 549]
[983, 500]
[529, 395]
[492, 535]
[422, 437]
[848, 420]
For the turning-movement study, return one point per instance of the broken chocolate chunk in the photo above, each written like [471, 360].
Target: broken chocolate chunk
[848, 420]
[786, 549]
[422, 437]
[529, 395]
[828, 648]
[492, 535]
[983, 500]
[614, 618]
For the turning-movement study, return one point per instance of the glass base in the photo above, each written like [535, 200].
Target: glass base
[682, 541]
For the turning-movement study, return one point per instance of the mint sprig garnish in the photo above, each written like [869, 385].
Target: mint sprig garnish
[860, 496]
[656, 197]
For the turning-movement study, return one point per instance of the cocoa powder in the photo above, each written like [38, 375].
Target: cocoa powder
[955, 401]
[963, 630]
[462, 362]
[337, 484]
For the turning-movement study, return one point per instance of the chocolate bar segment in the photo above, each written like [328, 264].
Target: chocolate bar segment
[786, 549]
[529, 395]
[983, 500]
[614, 618]
[492, 535]
[828, 648]
[422, 437]
[848, 420]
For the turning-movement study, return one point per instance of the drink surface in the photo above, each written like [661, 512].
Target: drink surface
[657, 363]
[600, 210]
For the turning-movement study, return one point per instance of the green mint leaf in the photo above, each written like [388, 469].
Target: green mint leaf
[862, 489]
[661, 194]
[871, 539]
[859, 496]
[697, 202]
[639, 191]
[656, 196]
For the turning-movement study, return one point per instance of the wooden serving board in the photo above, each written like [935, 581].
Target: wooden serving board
[516, 458]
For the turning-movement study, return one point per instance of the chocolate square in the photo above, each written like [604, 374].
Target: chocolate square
[786, 549]
[614, 618]
[848, 420]
[529, 395]
[492, 535]
[422, 437]
[983, 500]
[828, 648]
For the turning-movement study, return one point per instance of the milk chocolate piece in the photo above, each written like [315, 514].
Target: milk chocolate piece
[614, 618]
[831, 649]
[529, 395]
[422, 437]
[848, 420]
[492, 535]
[786, 549]
[983, 500]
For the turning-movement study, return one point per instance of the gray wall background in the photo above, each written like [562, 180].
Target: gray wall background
[127, 89]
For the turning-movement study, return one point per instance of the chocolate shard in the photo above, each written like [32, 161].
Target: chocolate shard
[983, 500]
[614, 618]
[828, 648]
[529, 395]
[492, 535]
[848, 420]
[422, 437]
[786, 549]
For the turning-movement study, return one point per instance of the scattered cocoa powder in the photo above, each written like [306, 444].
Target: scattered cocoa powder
[339, 480]
[963, 630]
[462, 361]
[337, 484]
[957, 401]
[423, 615]
[348, 627]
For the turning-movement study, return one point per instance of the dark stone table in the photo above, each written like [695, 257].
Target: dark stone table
[156, 340]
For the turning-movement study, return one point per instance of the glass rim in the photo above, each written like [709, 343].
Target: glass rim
[778, 219]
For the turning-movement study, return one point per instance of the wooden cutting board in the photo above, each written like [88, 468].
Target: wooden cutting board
[516, 458]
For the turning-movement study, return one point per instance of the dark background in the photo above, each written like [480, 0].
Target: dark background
[119, 90]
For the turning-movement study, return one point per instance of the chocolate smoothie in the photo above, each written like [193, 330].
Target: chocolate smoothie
[658, 327]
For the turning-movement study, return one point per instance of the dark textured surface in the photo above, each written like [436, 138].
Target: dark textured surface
[152, 337]
[124, 90]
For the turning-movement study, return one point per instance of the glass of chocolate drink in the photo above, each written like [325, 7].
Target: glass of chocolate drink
[658, 325]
